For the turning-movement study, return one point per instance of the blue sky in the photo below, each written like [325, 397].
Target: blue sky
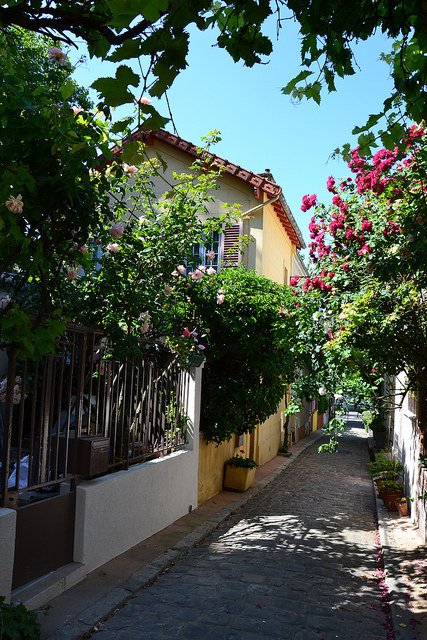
[260, 127]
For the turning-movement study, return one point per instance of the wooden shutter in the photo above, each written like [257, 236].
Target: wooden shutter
[230, 254]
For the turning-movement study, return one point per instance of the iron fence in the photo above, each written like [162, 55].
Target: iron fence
[48, 406]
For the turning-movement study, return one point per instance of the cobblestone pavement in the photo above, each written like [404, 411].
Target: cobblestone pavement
[298, 562]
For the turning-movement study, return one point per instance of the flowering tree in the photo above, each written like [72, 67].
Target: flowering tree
[50, 193]
[66, 212]
[141, 254]
[369, 266]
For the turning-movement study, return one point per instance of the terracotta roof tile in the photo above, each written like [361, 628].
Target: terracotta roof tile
[258, 181]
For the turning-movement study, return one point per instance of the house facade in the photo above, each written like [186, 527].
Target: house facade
[273, 252]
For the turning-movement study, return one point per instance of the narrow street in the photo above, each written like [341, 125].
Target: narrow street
[298, 562]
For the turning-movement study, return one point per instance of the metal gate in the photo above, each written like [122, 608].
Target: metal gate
[55, 412]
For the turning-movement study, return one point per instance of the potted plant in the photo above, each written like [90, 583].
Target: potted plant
[239, 473]
[391, 492]
[386, 472]
[402, 506]
[284, 450]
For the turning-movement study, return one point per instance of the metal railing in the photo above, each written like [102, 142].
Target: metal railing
[48, 405]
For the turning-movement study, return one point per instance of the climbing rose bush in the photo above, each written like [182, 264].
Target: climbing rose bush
[368, 273]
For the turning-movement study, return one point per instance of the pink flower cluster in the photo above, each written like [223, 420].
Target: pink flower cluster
[57, 55]
[117, 230]
[330, 185]
[318, 236]
[308, 202]
[316, 283]
[192, 335]
[365, 250]
[392, 227]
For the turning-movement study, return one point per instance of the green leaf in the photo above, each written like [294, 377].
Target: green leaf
[129, 49]
[67, 89]
[121, 125]
[114, 90]
[292, 84]
[131, 153]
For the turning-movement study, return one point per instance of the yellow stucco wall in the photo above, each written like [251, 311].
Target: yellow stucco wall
[277, 249]
[269, 436]
[314, 423]
[211, 464]
[229, 190]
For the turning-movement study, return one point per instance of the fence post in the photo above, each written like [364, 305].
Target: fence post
[194, 405]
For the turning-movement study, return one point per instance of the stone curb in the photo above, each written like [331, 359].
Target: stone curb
[400, 615]
[116, 598]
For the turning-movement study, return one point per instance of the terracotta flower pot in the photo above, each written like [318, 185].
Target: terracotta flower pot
[402, 508]
[391, 498]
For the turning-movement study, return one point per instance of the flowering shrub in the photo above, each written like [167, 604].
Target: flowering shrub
[50, 191]
[363, 304]
[247, 367]
[144, 269]
[81, 236]
[239, 461]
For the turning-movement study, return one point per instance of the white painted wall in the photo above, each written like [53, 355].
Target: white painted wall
[406, 448]
[7, 550]
[116, 512]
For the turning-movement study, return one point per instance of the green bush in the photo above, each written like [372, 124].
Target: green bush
[323, 404]
[17, 623]
[240, 461]
[247, 368]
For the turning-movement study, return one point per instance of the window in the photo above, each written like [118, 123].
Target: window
[200, 253]
[224, 247]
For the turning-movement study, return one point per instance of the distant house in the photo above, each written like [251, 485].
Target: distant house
[273, 253]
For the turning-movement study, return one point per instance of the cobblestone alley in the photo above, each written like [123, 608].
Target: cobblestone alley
[298, 562]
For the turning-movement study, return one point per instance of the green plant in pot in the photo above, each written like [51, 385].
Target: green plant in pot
[391, 492]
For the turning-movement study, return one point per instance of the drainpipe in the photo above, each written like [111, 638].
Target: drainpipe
[263, 204]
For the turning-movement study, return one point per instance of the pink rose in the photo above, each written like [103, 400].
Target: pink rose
[168, 290]
[197, 275]
[76, 110]
[117, 230]
[56, 54]
[72, 274]
[211, 271]
[143, 101]
[113, 247]
[131, 170]
[210, 255]
[181, 269]
[15, 205]
[220, 298]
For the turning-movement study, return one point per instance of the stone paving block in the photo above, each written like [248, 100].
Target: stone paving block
[288, 565]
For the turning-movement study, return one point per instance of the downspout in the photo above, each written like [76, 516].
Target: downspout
[262, 204]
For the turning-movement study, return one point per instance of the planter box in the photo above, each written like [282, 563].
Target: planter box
[238, 478]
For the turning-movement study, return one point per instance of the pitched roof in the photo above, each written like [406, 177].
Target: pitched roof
[261, 182]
